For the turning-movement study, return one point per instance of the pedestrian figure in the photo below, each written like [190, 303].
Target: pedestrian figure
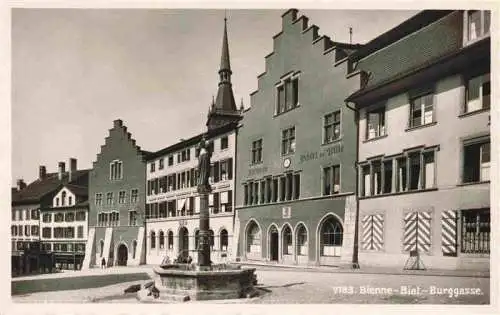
[103, 263]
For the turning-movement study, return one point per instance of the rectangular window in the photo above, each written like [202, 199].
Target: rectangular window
[20, 230]
[296, 184]
[331, 127]
[387, 177]
[34, 230]
[429, 170]
[377, 177]
[109, 198]
[59, 217]
[132, 218]
[476, 163]
[170, 160]
[152, 166]
[269, 196]
[121, 196]
[415, 179]
[79, 231]
[161, 164]
[81, 216]
[476, 229]
[478, 24]
[47, 232]
[331, 180]
[421, 110]
[257, 151]
[478, 93]
[401, 183]
[133, 195]
[365, 181]
[69, 232]
[282, 188]
[245, 194]
[287, 95]
[69, 217]
[98, 199]
[224, 143]
[116, 170]
[275, 190]
[255, 193]
[375, 123]
[47, 217]
[288, 141]
[223, 170]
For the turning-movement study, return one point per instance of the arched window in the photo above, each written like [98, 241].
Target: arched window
[287, 240]
[170, 242]
[331, 237]
[196, 239]
[153, 240]
[211, 238]
[63, 198]
[134, 248]
[253, 238]
[101, 247]
[223, 240]
[301, 240]
[162, 240]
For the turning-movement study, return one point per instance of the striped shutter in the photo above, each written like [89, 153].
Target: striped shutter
[417, 231]
[373, 232]
[449, 233]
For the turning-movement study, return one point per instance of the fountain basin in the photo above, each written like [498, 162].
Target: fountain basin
[191, 282]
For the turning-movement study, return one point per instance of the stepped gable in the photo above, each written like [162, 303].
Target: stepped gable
[118, 125]
[337, 51]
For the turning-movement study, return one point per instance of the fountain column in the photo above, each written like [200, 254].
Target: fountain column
[204, 235]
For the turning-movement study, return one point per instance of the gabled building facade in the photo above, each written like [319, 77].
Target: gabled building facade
[296, 153]
[424, 142]
[117, 202]
[28, 202]
[64, 226]
[173, 203]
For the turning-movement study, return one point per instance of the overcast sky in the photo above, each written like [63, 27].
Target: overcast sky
[75, 71]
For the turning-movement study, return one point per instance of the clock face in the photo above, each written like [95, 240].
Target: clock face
[286, 163]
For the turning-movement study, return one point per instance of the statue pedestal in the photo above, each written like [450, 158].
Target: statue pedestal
[204, 236]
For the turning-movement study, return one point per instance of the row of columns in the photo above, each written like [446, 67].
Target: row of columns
[272, 189]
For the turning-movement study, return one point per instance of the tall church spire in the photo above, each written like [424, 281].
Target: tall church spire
[225, 109]
[225, 65]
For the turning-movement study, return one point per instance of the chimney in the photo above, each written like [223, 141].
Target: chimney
[20, 184]
[42, 172]
[72, 168]
[61, 170]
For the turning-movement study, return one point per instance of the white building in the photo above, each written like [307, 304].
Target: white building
[173, 204]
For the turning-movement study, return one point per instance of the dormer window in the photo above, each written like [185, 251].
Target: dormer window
[57, 202]
[63, 198]
[478, 25]
[116, 170]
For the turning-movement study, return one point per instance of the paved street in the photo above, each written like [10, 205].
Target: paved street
[305, 286]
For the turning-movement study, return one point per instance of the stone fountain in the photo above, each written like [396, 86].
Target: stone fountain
[204, 280]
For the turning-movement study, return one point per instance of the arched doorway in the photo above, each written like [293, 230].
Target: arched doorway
[183, 242]
[122, 255]
[273, 243]
[253, 241]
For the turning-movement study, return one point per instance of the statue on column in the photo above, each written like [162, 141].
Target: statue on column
[204, 163]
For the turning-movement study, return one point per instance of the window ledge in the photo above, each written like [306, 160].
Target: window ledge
[287, 111]
[399, 193]
[287, 154]
[479, 111]
[474, 183]
[256, 164]
[332, 141]
[375, 138]
[421, 126]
